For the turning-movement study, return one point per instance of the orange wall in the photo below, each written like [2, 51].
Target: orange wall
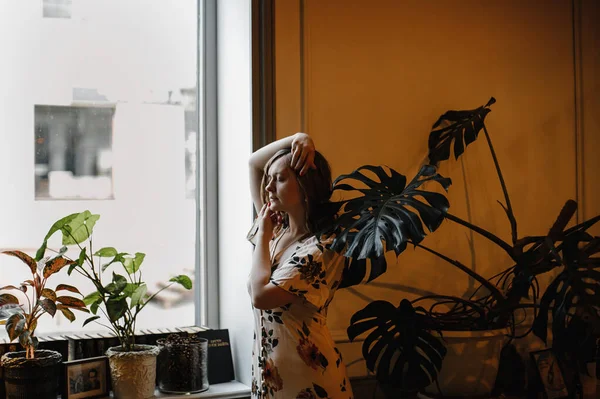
[590, 108]
[377, 74]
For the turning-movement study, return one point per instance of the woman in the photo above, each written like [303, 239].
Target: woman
[293, 277]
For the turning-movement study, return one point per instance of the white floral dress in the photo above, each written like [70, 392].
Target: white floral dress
[294, 355]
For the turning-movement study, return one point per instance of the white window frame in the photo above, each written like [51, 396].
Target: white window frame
[207, 256]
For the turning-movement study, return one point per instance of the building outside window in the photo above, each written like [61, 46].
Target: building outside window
[99, 112]
[73, 152]
[56, 8]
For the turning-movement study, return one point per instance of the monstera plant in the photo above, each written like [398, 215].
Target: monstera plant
[404, 345]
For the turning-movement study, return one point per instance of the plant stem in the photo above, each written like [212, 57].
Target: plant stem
[155, 294]
[93, 267]
[471, 239]
[29, 305]
[87, 257]
[491, 287]
[495, 239]
[511, 215]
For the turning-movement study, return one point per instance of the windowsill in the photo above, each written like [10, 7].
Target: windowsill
[226, 390]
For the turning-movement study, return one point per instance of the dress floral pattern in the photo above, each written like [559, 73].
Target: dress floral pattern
[294, 355]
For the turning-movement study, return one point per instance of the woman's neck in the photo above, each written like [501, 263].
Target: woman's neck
[297, 224]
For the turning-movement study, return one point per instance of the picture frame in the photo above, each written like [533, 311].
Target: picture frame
[86, 378]
[550, 373]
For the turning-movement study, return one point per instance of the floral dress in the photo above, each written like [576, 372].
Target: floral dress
[294, 355]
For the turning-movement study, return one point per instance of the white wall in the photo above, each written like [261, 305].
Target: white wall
[235, 209]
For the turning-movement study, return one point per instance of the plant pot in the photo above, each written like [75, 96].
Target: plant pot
[471, 363]
[391, 392]
[35, 378]
[133, 373]
[182, 364]
[530, 342]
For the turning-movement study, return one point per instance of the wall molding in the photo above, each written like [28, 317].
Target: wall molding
[578, 109]
[303, 67]
[263, 73]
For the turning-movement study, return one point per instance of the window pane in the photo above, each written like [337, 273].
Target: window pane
[57, 8]
[73, 152]
[98, 112]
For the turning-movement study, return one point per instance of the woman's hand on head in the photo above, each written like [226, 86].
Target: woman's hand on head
[303, 153]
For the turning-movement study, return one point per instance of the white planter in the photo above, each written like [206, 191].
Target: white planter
[471, 364]
[133, 374]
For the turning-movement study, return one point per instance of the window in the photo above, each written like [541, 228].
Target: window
[73, 152]
[57, 8]
[98, 112]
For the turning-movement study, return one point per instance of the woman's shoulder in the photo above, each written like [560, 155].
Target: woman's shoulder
[317, 243]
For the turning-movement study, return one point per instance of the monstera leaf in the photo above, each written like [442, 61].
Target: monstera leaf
[575, 292]
[460, 127]
[399, 348]
[539, 254]
[389, 211]
[355, 270]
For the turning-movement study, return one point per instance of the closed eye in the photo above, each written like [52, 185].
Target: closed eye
[280, 178]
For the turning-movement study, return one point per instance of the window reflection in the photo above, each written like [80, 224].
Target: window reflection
[73, 152]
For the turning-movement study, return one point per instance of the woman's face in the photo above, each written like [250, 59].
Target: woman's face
[283, 190]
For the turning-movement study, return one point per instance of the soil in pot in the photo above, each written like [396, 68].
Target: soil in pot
[182, 364]
[31, 378]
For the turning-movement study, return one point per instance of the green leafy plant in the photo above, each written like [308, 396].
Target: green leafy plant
[399, 346]
[121, 295]
[40, 300]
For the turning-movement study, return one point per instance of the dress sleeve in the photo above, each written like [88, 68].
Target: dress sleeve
[312, 272]
[251, 236]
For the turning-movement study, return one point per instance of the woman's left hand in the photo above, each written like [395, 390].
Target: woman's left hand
[303, 153]
[267, 220]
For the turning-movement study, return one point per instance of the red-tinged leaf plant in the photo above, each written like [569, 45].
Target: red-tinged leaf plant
[37, 300]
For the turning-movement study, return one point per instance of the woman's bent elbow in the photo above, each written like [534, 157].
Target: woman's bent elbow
[258, 303]
[262, 301]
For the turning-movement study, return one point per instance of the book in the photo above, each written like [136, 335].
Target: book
[220, 362]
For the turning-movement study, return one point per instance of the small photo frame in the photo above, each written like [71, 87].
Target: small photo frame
[86, 378]
[551, 374]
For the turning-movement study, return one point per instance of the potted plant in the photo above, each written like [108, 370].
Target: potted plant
[182, 364]
[406, 345]
[119, 297]
[34, 373]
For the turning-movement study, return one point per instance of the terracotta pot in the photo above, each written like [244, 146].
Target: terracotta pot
[35, 378]
[133, 373]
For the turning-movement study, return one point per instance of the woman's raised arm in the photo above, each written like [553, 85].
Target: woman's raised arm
[303, 153]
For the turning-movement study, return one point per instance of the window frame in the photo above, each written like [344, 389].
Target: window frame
[207, 256]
